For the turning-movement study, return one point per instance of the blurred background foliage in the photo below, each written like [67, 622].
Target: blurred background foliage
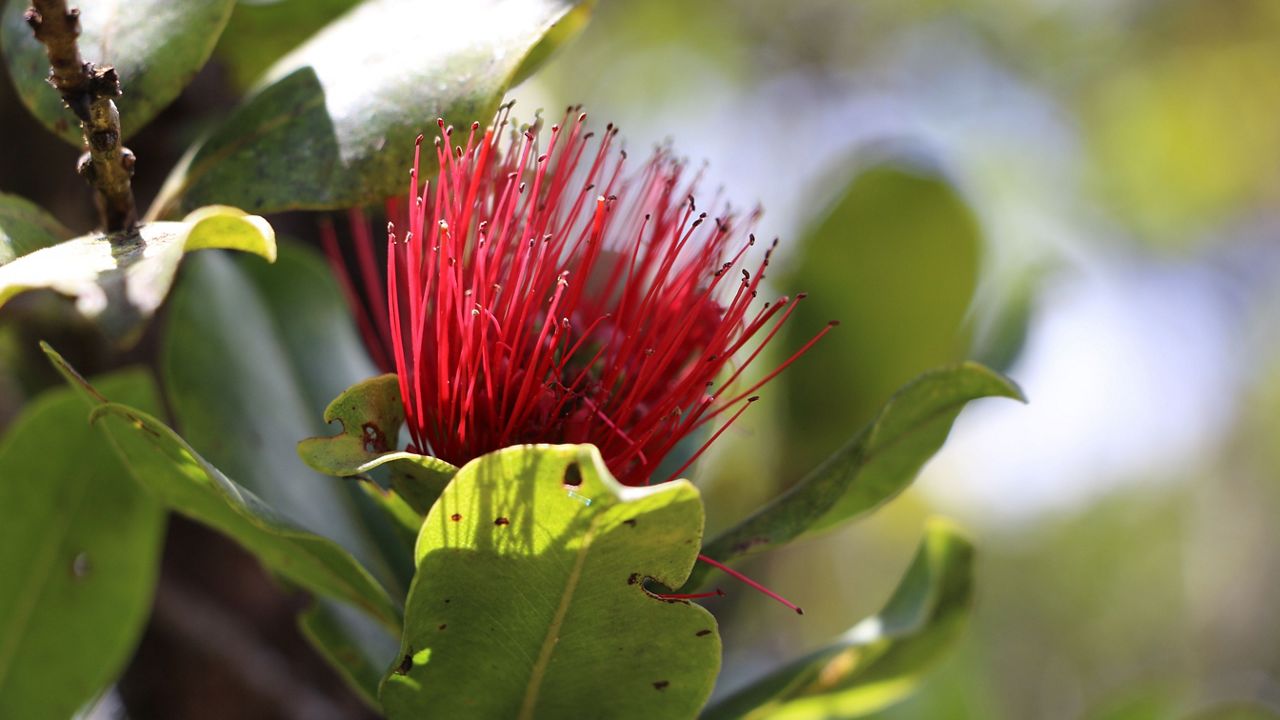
[1083, 194]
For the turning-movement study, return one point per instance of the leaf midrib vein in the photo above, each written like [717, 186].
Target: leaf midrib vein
[551, 639]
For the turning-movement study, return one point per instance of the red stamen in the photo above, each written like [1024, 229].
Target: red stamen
[739, 576]
[545, 295]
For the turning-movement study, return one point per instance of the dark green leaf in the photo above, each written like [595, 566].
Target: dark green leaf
[371, 414]
[332, 125]
[355, 647]
[25, 227]
[79, 550]
[251, 355]
[166, 465]
[530, 599]
[876, 465]
[157, 46]
[258, 34]
[881, 659]
[120, 280]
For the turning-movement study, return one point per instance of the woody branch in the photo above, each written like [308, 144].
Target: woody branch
[88, 91]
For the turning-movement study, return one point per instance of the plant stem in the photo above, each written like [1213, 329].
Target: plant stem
[88, 91]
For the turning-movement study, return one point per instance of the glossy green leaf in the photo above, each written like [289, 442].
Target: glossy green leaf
[881, 659]
[875, 466]
[165, 464]
[79, 551]
[530, 599]
[345, 637]
[120, 280]
[157, 46]
[258, 34]
[332, 125]
[25, 227]
[250, 356]
[371, 414]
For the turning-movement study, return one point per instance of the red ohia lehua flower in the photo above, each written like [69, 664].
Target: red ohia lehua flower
[553, 296]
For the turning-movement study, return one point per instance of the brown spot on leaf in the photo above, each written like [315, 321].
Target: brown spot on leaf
[633, 579]
[703, 633]
[406, 664]
[661, 685]
[374, 440]
[455, 517]
[501, 521]
[629, 522]
[443, 626]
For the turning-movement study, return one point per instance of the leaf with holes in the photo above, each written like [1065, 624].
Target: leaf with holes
[25, 227]
[881, 659]
[157, 46]
[79, 550]
[120, 280]
[333, 123]
[530, 599]
[167, 466]
[371, 414]
[880, 462]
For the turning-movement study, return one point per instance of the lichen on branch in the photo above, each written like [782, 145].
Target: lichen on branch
[89, 92]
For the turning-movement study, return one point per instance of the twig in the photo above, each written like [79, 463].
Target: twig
[88, 91]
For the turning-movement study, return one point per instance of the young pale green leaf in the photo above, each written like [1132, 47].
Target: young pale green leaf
[332, 124]
[79, 550]
[25, 227]
[119, 280]
[371, 414]
[880, 462]
[530, 598]
[157, 46]
[167, 466]
[881, 659]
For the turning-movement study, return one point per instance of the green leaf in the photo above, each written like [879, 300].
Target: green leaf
[119, 280]
[355, 649]
[881, 659]
[250, 356]
[25, 227]
[157, 46]
[898, 248]
[258, 34]
[166, 465]
[530, 599]
[332, 125]
[880, 462]
[239, 397]
[79, 550]
[371, 414]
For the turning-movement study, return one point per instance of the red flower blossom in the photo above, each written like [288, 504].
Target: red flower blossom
[554, 296]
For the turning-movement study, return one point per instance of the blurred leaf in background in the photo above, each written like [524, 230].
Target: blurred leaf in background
[895, 260]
